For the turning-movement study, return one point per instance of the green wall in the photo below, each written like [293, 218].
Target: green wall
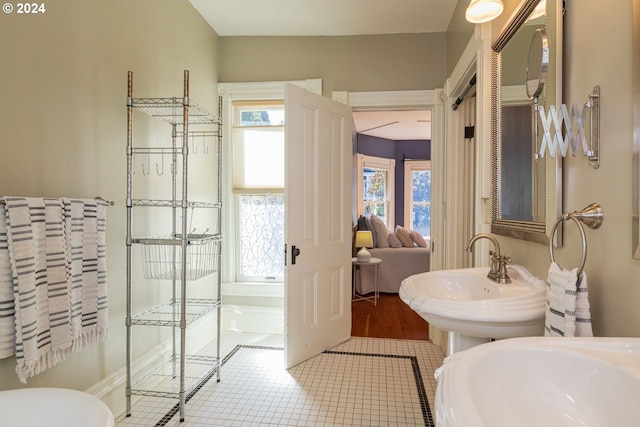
[353, 63]
[63, 124]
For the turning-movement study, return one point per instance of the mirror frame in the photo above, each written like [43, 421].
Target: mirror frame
[527, 230]
[635, 219]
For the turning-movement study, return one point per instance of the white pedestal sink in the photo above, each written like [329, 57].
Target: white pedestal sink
[541, 381]
[475, 310]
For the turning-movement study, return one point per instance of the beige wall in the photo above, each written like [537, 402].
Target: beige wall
[353, 63]
[598, 52]
[459, 33]
[63, 124]
[63, 117]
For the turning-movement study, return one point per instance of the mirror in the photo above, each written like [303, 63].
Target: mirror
[537, 64]
[527, 191]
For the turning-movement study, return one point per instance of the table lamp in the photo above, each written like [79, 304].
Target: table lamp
[364, 240]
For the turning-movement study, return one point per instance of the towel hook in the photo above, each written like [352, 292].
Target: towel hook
[205, 147]
[158, 171]
[148, 164]
[592, 216]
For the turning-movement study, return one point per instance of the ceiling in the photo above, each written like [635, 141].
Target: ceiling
[338, 18]
[325, 17]
[394, 125]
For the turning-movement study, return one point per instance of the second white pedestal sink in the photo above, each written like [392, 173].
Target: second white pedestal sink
[541, 381]
[474, 309]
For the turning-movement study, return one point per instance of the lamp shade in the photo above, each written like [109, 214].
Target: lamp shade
[480, 11]
[364, 239]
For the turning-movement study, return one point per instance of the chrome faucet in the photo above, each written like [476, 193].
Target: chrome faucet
[498, 263]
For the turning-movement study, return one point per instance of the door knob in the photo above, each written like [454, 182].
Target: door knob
[294, 253]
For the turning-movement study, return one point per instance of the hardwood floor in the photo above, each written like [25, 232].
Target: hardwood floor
[391, 318]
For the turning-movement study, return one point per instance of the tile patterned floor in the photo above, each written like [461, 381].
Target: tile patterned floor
[362, 382]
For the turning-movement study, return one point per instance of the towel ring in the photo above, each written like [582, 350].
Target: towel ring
[565, 217]
[592, 216]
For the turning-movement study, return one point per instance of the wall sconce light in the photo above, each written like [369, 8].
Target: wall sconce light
[480, 11]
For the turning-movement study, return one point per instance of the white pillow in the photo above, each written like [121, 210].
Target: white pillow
[394, 242]
[404, 236]
[418, 239]
[381, 232]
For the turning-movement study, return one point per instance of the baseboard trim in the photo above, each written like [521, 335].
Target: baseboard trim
[111, 390]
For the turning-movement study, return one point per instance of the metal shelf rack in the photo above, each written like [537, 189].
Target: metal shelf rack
[178, 257]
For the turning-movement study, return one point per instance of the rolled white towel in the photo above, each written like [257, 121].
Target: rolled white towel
[568, 311]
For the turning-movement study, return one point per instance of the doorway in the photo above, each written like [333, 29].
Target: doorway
[243, 298]
[422, 112]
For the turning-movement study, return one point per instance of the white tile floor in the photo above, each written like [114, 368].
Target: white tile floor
[362, 382]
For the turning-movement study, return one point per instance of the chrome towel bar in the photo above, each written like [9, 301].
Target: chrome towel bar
[108, 202]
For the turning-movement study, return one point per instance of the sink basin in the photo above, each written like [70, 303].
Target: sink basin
[476, 309]
[541, 381]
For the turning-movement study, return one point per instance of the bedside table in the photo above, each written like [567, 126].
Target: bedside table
[356, 266]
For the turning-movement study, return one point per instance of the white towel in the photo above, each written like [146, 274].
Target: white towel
[37, 253]
[7, 308]
[568, 311]
[577, 312]
[85, 233]
[58, 300]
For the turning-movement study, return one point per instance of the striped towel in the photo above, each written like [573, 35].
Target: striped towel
[568, 312]
[37, 254]
[7, 309]
[85, 232]
[53, 280]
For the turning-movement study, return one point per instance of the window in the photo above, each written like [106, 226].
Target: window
[417, 196]
[261, 237]
[258, 187]
[375, 187]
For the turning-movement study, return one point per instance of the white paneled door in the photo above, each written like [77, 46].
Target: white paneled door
[318, 187]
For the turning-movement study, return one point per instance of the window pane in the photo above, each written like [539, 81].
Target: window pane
[422, 186]
[375, 183]
[261, 227]
[375, 186]
[377, 209]
[261, 116]
[258, 158]
[421, 219]
[421, 203]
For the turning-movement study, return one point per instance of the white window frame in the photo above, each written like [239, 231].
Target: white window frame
[230, 92]
[364, 161]
[411, 166]
[239, 187]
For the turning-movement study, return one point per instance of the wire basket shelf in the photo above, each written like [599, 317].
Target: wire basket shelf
[169, 314]
[171, 110]
[162, 256]
[173, 203]
[164, 380]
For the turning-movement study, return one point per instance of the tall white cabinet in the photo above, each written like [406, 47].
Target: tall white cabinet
[179, 264]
